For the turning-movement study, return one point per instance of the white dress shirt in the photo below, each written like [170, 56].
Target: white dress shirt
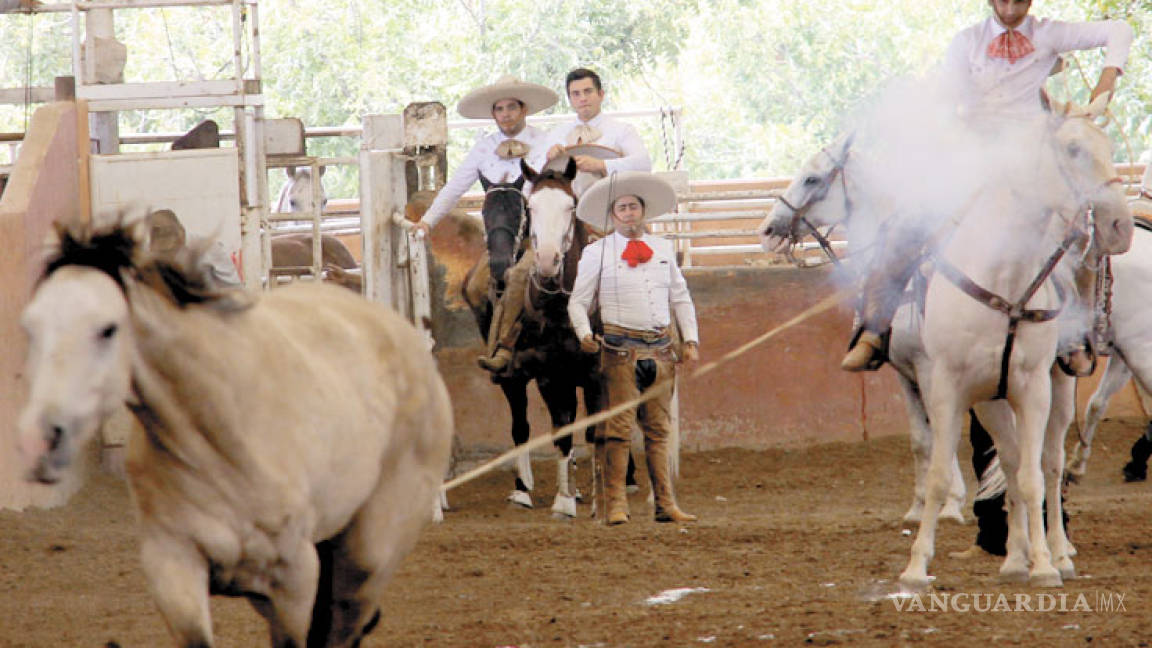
[482, 159]
[614, 134]
[996, 87]
[641, 298]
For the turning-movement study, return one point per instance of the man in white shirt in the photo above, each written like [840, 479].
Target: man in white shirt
[586, 95]
[599, 145]
[996, 70]
[496, 155]
[634, 278]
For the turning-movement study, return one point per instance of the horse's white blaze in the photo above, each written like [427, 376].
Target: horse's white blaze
[552, 228]
[79, 340]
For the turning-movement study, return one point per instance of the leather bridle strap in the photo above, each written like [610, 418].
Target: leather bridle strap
[1016, 312]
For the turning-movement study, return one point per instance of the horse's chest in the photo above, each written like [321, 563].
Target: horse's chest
[264, 559]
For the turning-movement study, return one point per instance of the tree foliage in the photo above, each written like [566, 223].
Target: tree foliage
[763, 83]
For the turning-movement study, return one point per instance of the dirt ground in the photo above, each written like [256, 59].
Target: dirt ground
[794, 547]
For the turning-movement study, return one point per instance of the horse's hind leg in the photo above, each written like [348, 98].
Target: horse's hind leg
[1116, 374]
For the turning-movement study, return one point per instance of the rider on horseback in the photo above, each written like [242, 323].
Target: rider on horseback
[997, 68]
[598, 144]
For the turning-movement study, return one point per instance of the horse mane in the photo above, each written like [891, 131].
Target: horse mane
[116, 251]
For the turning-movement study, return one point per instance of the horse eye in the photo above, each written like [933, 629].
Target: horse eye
[811, 180]
[108, 332]
[1073, 149]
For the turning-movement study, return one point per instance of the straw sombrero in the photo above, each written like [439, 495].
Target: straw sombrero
[659, 197]
[595, 150]
[478, 103]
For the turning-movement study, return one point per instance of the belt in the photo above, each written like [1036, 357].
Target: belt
[636, 334]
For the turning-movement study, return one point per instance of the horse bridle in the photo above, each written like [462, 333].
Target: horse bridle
[1077, 233]
[516, 233]
[799, 214]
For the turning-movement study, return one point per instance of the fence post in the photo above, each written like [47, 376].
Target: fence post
[383, 191]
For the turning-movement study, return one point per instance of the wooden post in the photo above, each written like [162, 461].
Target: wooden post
[382, 191]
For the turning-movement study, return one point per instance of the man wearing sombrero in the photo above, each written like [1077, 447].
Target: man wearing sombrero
[496, 155]
[599, 144]
[634, 278]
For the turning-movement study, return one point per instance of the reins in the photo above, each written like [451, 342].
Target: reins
[799, 215]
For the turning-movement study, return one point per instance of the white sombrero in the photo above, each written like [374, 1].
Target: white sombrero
[478, 103]
[659, 197]
[559, 162]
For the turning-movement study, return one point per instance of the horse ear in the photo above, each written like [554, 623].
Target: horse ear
[519, 183]
[846, 146]
[484, 183]
[527, 172]
[1099, 105]
[290, 171]
[570, 170]
[322, 170]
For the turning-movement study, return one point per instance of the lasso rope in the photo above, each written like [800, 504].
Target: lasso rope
[823, 305]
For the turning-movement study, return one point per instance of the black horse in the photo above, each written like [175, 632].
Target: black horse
[547, 350]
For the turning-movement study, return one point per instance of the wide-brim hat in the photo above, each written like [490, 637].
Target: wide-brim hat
[478, 103]
[559, 162]
[659, 197]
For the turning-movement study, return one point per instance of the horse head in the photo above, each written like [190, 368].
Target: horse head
[78, 366]
[505, 216]
[553, 227]
[296, 196]
[805, 203]
[1083, 155]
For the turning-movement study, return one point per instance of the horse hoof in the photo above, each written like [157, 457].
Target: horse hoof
[1046, 578]
[521, 499]
[1013, 575]
[951, 513]
[564, 507]
[913, 583]
[1066, 568]
[577, 495]
[632, 488]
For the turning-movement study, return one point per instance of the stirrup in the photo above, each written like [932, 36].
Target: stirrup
[877, 348]
[496, 363]
[1089, 349]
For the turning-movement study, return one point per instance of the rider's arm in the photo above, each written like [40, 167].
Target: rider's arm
[682, 307]
[464, 177]
[635, 156]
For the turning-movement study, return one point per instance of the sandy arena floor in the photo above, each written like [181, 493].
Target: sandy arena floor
[794, 546]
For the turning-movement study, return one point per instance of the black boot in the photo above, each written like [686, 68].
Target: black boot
[1137, 469]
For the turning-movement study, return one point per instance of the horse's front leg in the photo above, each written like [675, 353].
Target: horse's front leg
[1052, 461]
[1031, 399]
[177, 575]
[560, 397]
[1116, 375]
[946, 413]
[516, 393]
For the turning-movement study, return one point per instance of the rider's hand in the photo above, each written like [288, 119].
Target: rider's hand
[555, 152]
[588, 344]
[691, 353]
[420, 228]
[590, 164]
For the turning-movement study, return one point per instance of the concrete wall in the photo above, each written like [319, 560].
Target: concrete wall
[788, 391]
[45, 186]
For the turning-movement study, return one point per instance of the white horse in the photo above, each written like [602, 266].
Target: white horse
[1069, 174]
[829, 190]
[823, 194]
[296, 194]
[275, 461]
[1131, 341]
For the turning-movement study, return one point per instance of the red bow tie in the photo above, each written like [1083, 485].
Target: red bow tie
[1011, 45]
[636, 252]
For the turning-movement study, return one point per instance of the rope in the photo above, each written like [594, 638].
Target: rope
[28, 70]
[1107, 111]
[670, 115]
[656, 390]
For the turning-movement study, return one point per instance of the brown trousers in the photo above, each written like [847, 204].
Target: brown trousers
[619, 375]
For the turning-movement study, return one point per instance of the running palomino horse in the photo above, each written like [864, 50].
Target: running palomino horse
[275, 461]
